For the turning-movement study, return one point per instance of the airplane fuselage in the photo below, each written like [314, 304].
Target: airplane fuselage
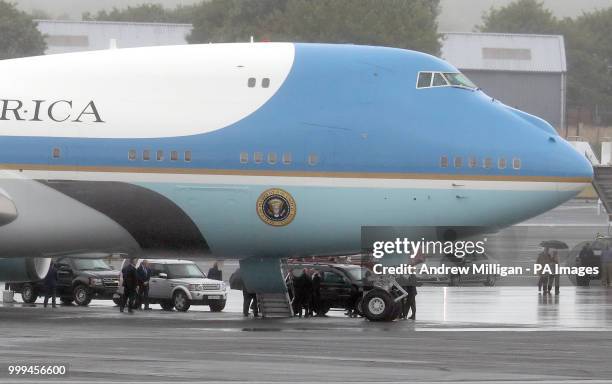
[237, 150]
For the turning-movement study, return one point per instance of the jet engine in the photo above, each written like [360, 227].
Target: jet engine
[22, 269]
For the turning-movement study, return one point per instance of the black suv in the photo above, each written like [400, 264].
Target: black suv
[341, 285]
[354, 287]
[78, 281]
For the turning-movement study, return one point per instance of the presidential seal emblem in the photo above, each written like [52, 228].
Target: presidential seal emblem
[276, 207]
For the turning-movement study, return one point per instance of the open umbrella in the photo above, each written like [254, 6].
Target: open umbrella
[553, 244]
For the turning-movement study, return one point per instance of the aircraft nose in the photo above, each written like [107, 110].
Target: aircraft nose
[573, 170]
[576, 163]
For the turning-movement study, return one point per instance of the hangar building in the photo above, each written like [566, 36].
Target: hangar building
[74, 36]
[523, 71]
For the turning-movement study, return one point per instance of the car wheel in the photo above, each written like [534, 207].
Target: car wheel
[167, 305]
[66, 300]
[491, 280]
[181, 301]
[378, 305]
[28, 294]
[217, 305]
[81, 295]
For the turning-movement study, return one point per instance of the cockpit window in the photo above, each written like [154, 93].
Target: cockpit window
[459, 80]
[424, 80]
[438, 81]
[444, 79]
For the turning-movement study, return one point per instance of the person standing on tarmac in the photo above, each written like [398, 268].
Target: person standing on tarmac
[606, 267]
[51, 285]
[316, 293]
[130, 281]
[584, 259]
[543, 259]
[412, 293]
[307, 293]
[214, 272]
[554, 277]
[249, 302]
[144, 276]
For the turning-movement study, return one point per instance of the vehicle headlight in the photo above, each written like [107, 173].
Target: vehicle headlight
[196, 287]
[223, 286]
[95, 281]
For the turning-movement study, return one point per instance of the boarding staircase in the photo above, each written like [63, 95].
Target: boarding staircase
[602, 182]
[602, 170]
[278, 304]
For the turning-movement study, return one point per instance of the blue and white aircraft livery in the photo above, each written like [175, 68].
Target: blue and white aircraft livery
[258, 151]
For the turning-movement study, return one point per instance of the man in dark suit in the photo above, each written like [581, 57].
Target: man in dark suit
[316, 293]
[304, 294]
[214, 272]
[144, 275]
[51, 285]
[130, 281]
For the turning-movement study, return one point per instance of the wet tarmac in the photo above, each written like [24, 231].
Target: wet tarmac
[461, 333]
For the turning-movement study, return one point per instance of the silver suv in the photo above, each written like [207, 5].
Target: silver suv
[180, 284]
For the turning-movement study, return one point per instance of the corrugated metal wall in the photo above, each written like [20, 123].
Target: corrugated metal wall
[537, 93]
[67, 36]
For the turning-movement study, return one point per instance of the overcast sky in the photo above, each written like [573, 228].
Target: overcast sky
[457, 15]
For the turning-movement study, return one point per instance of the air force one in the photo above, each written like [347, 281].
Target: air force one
[258, 152]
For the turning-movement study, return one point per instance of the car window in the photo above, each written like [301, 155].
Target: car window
[91, 265]
[184, 271]
[356, 273]
[156, 269]
[331, 277]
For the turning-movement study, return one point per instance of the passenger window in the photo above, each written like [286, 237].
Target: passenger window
[56, 153]
[438, 80]
[458, 162]
[174, 155]
[251, 83]
[132, 154]
[156, 269]
[516, 163]
[146, 155]
[258, 157]
[313, 159]
[287, 158]
[424, 80]
[501, 163]
[244, 157]
[444, 161]
[187, 156]
[334, 278]
[160, 155]
[472, 162]
[272, 158]
[487, 163]
[265, 83]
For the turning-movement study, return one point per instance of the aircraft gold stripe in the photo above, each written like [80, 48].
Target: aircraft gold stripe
[249, 172]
